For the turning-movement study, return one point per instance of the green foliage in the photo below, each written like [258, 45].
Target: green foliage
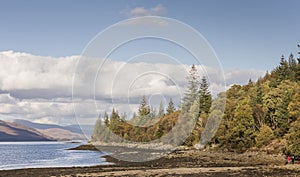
[144, 109]
[293, 138]
[205, 98]
[264, 136]
[275, 104]
[161, 110]
[192, 89]
[240, 133]
[170, 108]
[255, 115]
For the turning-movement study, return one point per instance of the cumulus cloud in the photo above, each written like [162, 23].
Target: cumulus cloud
[142, 11]
[21, 71]
[39, 88]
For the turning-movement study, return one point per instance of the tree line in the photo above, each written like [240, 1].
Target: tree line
[148, 124]
[259, 115]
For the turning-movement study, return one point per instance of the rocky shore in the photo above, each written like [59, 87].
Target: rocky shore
[182, 162]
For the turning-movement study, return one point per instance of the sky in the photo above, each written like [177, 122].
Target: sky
[41, 43]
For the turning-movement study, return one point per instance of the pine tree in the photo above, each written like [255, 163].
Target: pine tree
[114, 120]
[161, 111]
[192, 89]
[106, 119]
[171, 107]
[97, 130]
[205, 98]
[283, 69]
[298, 66]
[144, 108]
[152, 114]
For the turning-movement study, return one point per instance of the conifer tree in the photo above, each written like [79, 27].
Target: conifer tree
[171, 107]
[205, 98]
[97, 130]
[192, 89]
[144, 108]
[161, 111]
[106, 119]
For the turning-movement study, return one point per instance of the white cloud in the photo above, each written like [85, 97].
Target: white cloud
[39, 88]
[142, 11]
[25, 71]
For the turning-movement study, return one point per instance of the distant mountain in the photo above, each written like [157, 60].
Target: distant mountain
[35, 125]
[75, 128]
[70, 132]
[86, 129]
[16, 132]
[61, 134]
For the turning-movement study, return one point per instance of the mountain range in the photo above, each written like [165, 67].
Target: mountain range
[16, 132]
[24, 130]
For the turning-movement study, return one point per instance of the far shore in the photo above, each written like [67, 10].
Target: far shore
[182, 162]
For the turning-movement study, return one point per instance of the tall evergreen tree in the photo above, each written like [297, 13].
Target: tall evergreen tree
[283, 69]
[298, 65]
[152, 114]
[171, 107]
[97, 130]
[205, 98]
[114, 120]
[106, 119]
[161, 111]
[192, 89]
[144, 108]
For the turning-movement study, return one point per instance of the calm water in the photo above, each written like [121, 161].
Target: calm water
[15, 155]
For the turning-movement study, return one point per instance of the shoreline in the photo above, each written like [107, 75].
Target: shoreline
[185, 162]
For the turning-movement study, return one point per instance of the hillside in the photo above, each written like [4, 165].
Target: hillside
[262, 115]
[61, 134]
[16, 132]
[54, 131]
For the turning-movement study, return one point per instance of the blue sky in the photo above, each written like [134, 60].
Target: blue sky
[244, 34]
[47, 37]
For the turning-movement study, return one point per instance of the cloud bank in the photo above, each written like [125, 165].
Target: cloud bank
[39, 88]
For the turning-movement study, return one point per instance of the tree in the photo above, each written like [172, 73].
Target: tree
[264, 136]
[114, 120]
[171, 107]
[144, 108]
[158, 132]
[152, 114]
[192, 89]
[275, 104]
[97, 130]
[106, 119]
[241, 135]
[205, 98]
[298, 65]
[161, 111]
[294, 105]
[293, 138]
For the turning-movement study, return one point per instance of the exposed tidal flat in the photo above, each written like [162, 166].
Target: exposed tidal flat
[181, 162]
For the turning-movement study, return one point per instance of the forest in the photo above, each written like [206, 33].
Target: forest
[261, 115]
